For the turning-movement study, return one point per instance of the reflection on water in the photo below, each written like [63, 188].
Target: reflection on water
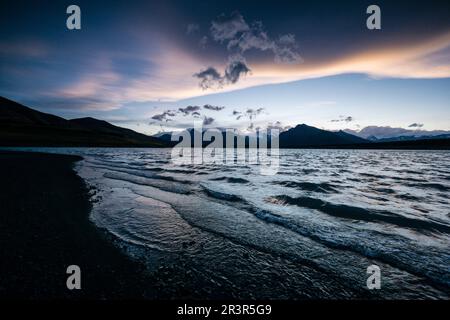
[309, 231]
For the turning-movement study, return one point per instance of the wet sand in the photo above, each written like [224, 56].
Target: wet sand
[44, 228]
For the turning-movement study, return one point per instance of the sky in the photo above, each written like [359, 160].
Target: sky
[162, 65]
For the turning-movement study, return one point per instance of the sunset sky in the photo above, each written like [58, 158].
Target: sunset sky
[142, 64]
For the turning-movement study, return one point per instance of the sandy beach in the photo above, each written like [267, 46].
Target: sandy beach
[44, 228]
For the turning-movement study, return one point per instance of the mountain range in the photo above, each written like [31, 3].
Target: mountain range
[386, 133]
[23, 126]
[302, 136]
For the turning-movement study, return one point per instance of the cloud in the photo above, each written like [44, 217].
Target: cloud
[239, 35]
[287, 50]
[164, 116]
[277, 126]
[415, 59]
[207, 121]
[249, 113]
[416, 125]
[192, 28]
[188, 110]
[237, 114]
[227, 28]
[239, 38]
[343, 119]
[209, 78]
[252, 113]
[235, 69]
[214, 108]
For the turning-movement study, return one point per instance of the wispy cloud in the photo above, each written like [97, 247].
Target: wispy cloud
[192, 28]
[207, 121]
[343, 119]
[188, 110]
[213, 108]
[240, 37]
[164, 116]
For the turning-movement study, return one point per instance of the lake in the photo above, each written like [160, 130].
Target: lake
[309, 231]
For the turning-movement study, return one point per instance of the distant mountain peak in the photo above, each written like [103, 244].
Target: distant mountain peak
[307, 136]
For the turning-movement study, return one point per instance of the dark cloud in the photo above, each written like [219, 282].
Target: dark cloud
[249, 113]
[164, 116]
[252, 113]
[158, 117]
[416, 125]
[207, 121]
[209, 78]
[214, 108]
[188, 110]
[235, 69]
[193, 111]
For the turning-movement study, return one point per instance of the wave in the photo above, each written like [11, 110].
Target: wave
[357, 213]
[407, 197]
[163, 185]
[230, 180]
[436, 186]
[381, 250]
[424, 262]
[221, 195]
[385, 177]
[322, 187]
[141, 173]
[154, 169]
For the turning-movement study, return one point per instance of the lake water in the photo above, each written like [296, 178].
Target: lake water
[310, 231]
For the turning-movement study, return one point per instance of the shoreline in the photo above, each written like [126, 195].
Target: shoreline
[45, 227]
